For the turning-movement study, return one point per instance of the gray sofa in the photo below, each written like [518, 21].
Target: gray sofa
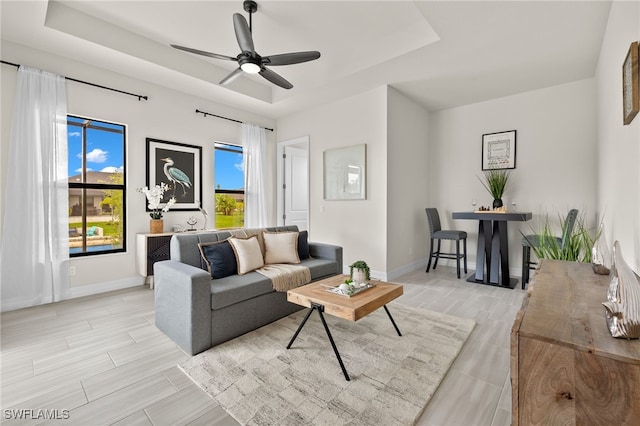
[198, 312]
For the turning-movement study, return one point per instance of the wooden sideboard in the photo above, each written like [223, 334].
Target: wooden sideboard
[565, 366]
[151, 248]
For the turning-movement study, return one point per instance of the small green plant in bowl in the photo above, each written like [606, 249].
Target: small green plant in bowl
[359, 265]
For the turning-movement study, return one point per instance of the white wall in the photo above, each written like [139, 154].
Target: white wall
[168, 115]
[407, 181]
[618, 145]
[359, 226]
[555, 157]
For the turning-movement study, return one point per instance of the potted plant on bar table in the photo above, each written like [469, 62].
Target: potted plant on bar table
[495, 181]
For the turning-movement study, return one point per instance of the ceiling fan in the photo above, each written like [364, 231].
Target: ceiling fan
[249, 60]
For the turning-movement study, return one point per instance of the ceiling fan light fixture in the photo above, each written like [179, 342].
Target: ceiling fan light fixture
[250, 68]
[249, 60]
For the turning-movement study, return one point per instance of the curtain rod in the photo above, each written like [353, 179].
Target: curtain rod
[225, 118]
[140, 97]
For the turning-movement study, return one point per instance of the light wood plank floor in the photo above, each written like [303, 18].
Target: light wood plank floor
[102, 358]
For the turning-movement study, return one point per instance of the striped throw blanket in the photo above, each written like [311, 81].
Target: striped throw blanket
[285, 276]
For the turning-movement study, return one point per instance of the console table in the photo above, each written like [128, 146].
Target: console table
[565, 366]
[493, 246]
[151, 248]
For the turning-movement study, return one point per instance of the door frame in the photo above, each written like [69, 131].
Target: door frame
[300, 142]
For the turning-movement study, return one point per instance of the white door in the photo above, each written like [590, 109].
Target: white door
[293, 183]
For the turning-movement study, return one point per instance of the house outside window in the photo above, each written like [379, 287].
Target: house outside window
[229, 185]
[97, 189]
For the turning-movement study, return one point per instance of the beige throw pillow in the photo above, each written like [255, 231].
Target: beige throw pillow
[248, 254]
[280, 247]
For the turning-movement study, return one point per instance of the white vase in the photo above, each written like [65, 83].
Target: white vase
[359, 276]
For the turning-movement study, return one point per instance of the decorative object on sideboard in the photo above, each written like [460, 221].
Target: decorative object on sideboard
[499, 150]
[154, 198]
[630, 84]
[600, 254]
[495, 181]
[192, 221]
[359, 272]
[205, 214]
[622, 308]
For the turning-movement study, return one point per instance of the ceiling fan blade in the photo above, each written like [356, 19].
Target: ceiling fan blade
[290, 58]
[275, 78]
[231, 77]
[203, 53]
[243, 34]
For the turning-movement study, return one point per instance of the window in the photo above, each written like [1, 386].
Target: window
[229, 185]
[97, 190]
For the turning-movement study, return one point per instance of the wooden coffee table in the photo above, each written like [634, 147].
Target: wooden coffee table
[316, 297]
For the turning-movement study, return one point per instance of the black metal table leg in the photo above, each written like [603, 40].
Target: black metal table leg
[335, 348]
[300, 327]
[392, 321]
[320, 309]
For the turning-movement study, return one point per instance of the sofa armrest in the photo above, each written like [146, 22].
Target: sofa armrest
[327, 251]
[183, 304]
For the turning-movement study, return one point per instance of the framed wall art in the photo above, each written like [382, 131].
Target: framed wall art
[630, 85]
[345, 173]
[499, 150]
[179, 166]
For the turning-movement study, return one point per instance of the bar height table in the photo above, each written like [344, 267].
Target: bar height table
[493, 246]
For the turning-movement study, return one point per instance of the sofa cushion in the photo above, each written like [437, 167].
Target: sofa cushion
[238, 288]
[303, 245]
[320, 268]
[280, 247]
[219, 258]
[248, 254]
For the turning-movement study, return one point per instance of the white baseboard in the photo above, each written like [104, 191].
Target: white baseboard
[91, 289]
[398, 272]
[74, 292]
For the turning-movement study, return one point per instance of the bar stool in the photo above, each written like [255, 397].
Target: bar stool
[530, 241]
[437, 233]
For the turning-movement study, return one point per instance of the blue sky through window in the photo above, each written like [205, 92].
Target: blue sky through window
[104, 148]
[229, 173]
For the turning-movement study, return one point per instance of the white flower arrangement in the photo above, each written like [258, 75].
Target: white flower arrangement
[154, 197]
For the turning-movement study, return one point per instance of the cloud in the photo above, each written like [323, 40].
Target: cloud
[79, 170]
[97, 156]
[74, 134]
[240, 164]
[113, 169]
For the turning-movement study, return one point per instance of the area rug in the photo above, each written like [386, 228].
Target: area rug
[260, 382]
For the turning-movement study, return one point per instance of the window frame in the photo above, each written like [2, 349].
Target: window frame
[228, 147]
[84, 185]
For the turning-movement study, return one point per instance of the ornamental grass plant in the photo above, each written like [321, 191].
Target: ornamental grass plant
[578, 245]
[495, 181]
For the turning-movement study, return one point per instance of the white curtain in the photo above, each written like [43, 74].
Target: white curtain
[254, 150]
[34, 250]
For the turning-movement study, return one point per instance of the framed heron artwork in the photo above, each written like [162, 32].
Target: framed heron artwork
[180, 167]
